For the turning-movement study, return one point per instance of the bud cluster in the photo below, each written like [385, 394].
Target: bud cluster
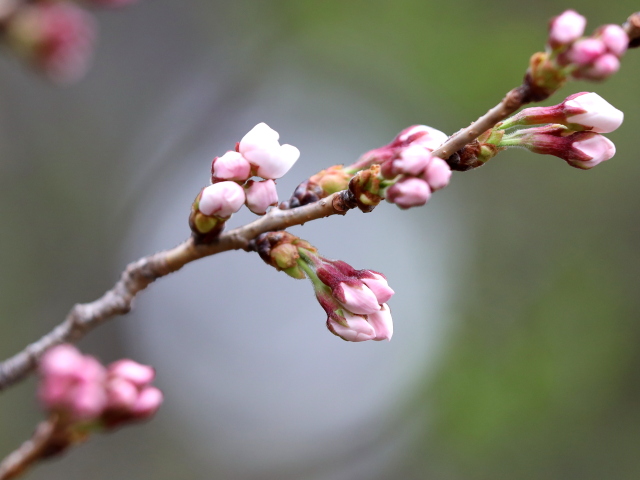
[570, 55]
[573, 130]
[408, 171]
[56, 37]
[82, 391]
[355, 300]
[258, 154]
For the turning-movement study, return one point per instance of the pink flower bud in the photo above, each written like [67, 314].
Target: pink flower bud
[261, 195]
[357, 328]
[221, 199]
[121, 394]
[585, 51]
[356, 298]
[580, 111]
[56, 37]
[422, 135]
[379, 286]
[592, 112]
[615, 39]
[71, 383]
[579, 149]
[566, 28]
[261, 148]
[437, 174]
[382, 323]
[230, 166]
[412, 161]
[602, 68]
[134, 372]
[595, 146]
[409, 192]
[148, 403]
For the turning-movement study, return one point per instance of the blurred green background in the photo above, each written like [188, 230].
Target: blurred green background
[537, 372]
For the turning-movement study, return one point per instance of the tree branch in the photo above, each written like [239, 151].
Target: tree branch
[138, 275]
[38, 446]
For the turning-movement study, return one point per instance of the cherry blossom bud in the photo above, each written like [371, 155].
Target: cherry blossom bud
[409, 192]
[56, 37]
[261, 148]
[580, 111]
[566, 28]
[261, 195]
[586, 51]
[594, 146]
[413, 160]
[134, 372]
[379, 286]
[221, 199]
[382, 323]
[356, 328]
[230, 166]
[121, 394]
[148, 403]
[72, 384]
[422, 135]
[602, 68]
[615, 39]
[579, 149]
[437, 174]
[356, 298]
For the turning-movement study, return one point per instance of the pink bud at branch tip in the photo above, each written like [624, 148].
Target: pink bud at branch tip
[263, 151]
[566, 28]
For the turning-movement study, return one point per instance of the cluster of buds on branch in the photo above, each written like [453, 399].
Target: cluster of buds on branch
[82, 392]
[355, 300]
[56, 37]
[258, 154]
[404, 172]
[570, 55]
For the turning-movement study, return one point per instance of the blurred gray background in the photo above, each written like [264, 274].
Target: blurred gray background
[516, 314]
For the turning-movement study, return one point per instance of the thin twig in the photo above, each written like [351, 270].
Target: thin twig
[138, 275]
[30, 451]
[511, 102]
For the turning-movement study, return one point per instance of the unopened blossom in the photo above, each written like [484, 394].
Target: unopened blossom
[580, 111]
[422, 135]
[415, 136]
[72, 384]
[221, 199]
[56, 37]
[437, 174]
[381, 323]
[413, 160]
[601, 69]
[130, 394]
[378, 284]
[614, 38]
[230, 166]
[579, 149]
[585, 51]
[409, 192]
[566, 28]
[353, 328]
[261, 195]
[261, 148]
